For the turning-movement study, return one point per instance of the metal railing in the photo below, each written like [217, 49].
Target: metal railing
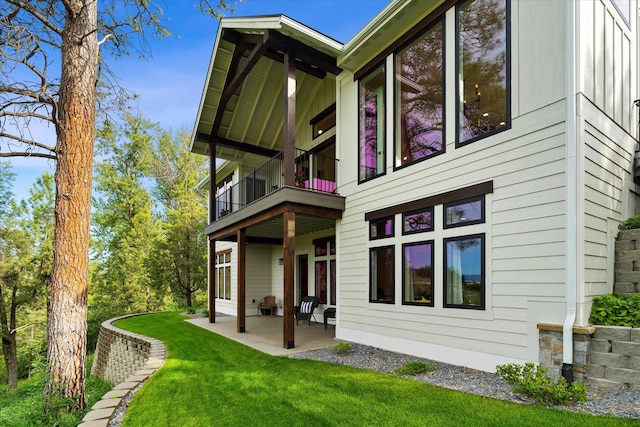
[313, 172]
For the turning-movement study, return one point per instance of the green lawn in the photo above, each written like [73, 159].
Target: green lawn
[209, 380]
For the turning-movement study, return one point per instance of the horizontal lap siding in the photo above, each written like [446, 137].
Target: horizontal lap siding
[526, 222]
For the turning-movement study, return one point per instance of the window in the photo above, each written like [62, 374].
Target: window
[464, 272]
[417, 221]
[483, 71]
[464, 212]
[419, 91]
[223, 271]
[381, 268]
[417, 273]
[371, 139]
[332, 290]
[325, 251]
[224, 197]
[381, 228]
[324, 121]
[321, 281]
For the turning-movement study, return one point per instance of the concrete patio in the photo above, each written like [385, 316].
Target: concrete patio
[264, 333]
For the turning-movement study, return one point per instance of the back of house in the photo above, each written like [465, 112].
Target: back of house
[474, 160]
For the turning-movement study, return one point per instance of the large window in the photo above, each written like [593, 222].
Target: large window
[419, 77]
[371, 150]
[223, 271]
[441, 259]
[483, 71]
[417, 273]
[381, 274]
[464, 275]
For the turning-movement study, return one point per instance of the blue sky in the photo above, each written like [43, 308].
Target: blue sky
[169, 85]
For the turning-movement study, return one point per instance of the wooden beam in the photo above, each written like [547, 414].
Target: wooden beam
[289, 247]
[289, 117]
[211, 288]
[305, 53]
[241, 73]
[236, 145]
[438, 199]
[242, 285]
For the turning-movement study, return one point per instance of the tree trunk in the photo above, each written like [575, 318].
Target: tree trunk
[9, 344]
[75, 129]
[10, 353]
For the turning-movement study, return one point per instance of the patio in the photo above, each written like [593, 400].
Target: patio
[264, 333]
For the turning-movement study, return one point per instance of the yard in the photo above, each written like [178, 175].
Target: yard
[210, 380]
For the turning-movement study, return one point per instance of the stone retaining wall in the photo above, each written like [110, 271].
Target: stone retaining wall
[603, 356]
[615, 357]
[119, 353]
[627, 265]
[126, 359]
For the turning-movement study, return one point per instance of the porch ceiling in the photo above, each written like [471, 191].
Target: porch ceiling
[272, 228]
[242, 105]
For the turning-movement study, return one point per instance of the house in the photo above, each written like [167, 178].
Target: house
[448, 179]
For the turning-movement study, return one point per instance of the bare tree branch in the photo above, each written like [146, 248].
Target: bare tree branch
[29, 154]
[26, 6]
[27, 141]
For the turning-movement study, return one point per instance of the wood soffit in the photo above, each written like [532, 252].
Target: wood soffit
[251, 47]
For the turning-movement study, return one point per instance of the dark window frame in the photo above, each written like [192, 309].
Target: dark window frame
[379, 221]
[414, 212]
[331, 109]
[393, 263]
[397, 142]
[507, 126]
[481, 220]
[483, 274]
[375, 68]
[404, 281]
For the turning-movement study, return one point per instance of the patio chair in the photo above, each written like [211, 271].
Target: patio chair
[267, 305]
[305, 310]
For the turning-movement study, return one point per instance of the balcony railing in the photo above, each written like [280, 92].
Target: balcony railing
[313, 172]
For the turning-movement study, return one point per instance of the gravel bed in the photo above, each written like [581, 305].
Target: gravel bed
[616, 402]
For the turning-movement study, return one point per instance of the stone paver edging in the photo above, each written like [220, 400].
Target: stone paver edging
[125, 358]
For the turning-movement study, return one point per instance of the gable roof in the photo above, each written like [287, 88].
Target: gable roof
[245, 116]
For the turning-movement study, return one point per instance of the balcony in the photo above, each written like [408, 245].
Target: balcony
[314, 173]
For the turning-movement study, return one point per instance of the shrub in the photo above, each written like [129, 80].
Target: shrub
[616, 310]
[631, 223]
[533, 381]
[415, 367]
[342, 348]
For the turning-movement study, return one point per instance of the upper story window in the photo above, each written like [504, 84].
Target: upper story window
[419, 92]
[483, 69]
[371, 129]
[324, 121]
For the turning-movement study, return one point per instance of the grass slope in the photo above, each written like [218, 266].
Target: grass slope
[209, 380]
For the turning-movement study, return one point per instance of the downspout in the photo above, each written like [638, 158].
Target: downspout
[572, 195]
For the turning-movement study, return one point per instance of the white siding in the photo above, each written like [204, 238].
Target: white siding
[525, 223]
